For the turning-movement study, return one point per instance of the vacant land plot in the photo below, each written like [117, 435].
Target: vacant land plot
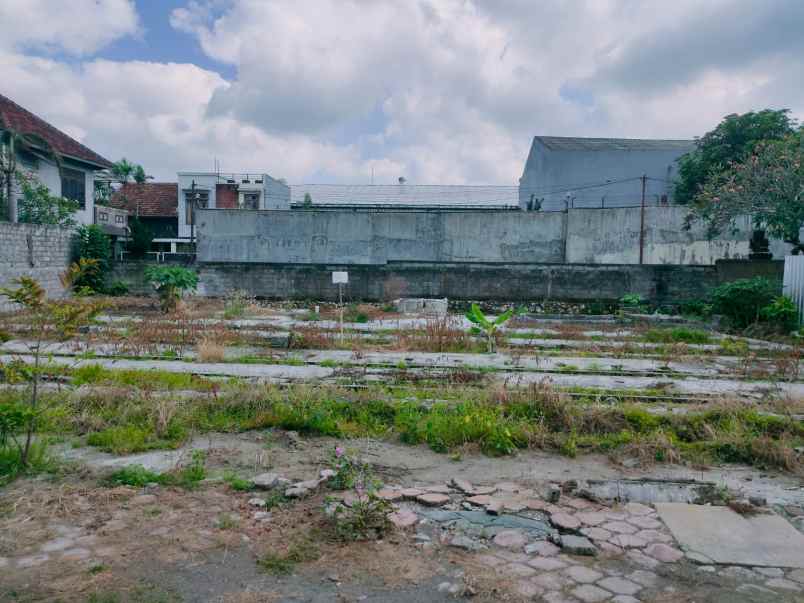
[277, 453]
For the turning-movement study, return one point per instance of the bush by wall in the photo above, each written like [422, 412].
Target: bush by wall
[742, 300]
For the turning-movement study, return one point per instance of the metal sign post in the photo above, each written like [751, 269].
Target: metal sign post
[340, 278]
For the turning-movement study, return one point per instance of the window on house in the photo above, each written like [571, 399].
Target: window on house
[197, 197]
[119, 220]
[103, 216]
[251, 201]
[73, 186]
[27, 160]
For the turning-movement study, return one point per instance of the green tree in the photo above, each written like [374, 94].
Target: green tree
[45, 319]
[12, 143]
[170, 282]
[731, 141]
[38, 206]
[140, 238]
[768, 185]
[94, 244]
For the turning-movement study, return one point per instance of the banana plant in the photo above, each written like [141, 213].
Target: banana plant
[485, 326]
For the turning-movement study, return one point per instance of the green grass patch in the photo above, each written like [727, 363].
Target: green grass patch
[132, 438]
[677, 335]
[133, 475]
[236, 482]
[96, 374]
[39, 461]
[187, 476]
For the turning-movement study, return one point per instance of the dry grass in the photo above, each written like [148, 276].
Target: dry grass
[315, 338]
[211, 349]
[648, 450]
[440, 334]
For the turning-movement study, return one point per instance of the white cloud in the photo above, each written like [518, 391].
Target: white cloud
[461, 86]
[440, 91]
[77, 27]
[156, 114]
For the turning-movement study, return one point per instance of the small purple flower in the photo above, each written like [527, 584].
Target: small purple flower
[338, 452]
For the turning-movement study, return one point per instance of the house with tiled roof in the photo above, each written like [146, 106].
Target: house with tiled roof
[74, 178]
[564, 172]
[155, 204]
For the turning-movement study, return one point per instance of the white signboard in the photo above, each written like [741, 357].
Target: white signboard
[340, 278]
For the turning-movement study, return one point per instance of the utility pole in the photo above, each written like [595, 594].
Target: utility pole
[642, 222]
[193, 207]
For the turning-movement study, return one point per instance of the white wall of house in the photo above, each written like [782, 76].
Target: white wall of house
[274, 194]
[48, 174]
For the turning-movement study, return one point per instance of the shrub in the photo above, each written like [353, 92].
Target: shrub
[696, 308]
[350, 472]
[133, 475]
[484, 325]
[170, 282]
[117, 289]
[782, 313]
[355, 314]
[93, 244]
[366, 519]
[742, 300]
[140, 238]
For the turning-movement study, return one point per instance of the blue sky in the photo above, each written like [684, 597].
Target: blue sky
[160, 42]
[437, 91]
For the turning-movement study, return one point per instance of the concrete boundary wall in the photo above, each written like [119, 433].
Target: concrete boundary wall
[42, 252]
[580, 236]
[376, 238]
[513, 282]
[461, 281]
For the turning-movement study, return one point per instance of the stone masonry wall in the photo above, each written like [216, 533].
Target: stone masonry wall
[42, 252]
[456, 281]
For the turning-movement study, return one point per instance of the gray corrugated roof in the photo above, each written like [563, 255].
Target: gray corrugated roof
[391, 195]
[568, 143]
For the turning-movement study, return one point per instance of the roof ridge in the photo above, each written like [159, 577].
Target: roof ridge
[90, 155]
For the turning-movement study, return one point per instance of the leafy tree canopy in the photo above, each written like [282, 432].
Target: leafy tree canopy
[732, 140]
[38, 206]
[768, 185]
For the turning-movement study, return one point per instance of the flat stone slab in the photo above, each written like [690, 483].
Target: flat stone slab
[727, 537]
[536, 528]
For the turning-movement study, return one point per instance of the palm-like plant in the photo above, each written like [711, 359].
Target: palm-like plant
[486, 326]
[124, 171]
[12, 143]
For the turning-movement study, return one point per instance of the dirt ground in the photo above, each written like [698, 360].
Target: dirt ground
[71, 539]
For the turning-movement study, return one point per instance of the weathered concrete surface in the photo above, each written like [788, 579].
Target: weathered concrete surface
[283, 373]
[378, 237]
[611, 236]
[726, 537]
[602, 236]
[267, 372]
